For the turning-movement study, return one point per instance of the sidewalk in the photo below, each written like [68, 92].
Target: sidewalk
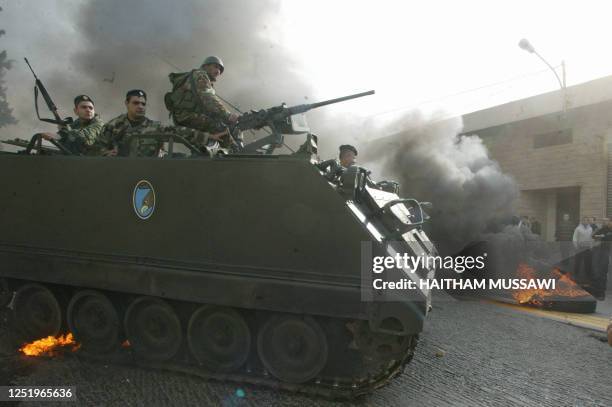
[597, 321]
[604, 308]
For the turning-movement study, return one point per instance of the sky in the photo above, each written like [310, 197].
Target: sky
[413, 52]
[425, 56]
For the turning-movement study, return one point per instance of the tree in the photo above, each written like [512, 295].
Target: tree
[6, 113]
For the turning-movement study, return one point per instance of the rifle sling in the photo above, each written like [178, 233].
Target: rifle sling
[52, 121]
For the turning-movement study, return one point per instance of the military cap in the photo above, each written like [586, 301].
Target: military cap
[82, 98]
[135, 92]
[214, 60]
[347, 147]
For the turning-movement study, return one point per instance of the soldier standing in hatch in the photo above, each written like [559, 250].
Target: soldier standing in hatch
[80, 137]
[193, 102]
[347, 155]
[334, 168]
[113, 136]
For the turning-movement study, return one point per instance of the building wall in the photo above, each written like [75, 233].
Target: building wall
[582, 163]
[536, 204]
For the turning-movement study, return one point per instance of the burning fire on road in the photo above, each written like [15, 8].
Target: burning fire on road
[50, 345]
[53, 345]
[567, 295]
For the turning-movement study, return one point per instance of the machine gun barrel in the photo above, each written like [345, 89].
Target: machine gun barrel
[342, 99]
[306, 107]
[278, 120]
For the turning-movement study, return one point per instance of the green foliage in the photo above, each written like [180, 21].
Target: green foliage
[6, 113]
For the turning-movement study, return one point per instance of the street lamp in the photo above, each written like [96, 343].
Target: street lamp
[526, 45]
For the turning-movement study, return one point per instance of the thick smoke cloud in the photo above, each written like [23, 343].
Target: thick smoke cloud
[434, 163]
[104, 48]
[148, 39]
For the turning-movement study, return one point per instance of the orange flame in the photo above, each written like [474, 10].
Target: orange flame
[49, 345]
[564, 287]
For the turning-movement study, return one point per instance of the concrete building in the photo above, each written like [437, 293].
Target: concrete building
[557, 147]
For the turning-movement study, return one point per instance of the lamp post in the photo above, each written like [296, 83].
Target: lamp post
[526, 45]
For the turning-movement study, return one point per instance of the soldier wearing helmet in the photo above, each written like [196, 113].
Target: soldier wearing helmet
[193, 103]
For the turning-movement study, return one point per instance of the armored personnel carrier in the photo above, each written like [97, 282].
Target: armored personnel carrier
[240, 266]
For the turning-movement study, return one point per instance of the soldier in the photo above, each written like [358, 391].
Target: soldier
[348, 155]
[193, 103]
[334, 168]
[81, 136]
[113, 136]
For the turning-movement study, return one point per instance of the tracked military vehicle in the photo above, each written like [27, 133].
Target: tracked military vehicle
[243, 266]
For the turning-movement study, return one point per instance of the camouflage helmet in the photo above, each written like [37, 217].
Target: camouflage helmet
[214, 60]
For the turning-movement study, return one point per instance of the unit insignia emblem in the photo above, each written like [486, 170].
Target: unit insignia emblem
[143, 199]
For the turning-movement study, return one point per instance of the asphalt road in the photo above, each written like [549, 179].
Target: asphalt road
[471, 354]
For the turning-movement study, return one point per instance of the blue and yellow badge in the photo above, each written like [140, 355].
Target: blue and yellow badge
[143, 199]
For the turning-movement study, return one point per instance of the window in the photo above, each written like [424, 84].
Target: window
[554, 138]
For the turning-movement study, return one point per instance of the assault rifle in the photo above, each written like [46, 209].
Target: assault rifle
[281, 120]
[40, 87]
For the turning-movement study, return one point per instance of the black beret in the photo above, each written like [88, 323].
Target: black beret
[135, 92]
[347, 147]
[82, 98]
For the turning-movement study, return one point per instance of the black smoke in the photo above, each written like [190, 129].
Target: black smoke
[434, 163]
[117, 45]
[147, 39]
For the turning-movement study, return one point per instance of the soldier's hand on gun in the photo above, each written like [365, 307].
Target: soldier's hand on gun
[219, 136]
[233, 118]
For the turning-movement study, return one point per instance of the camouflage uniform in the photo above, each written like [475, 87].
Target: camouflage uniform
[201, 110]
[332, 168]
[115, 131]
[81, 137]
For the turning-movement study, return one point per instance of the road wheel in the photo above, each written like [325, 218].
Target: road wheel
[219, 338]
[293, 349]
[37, 312]
[153, 329]
[94, 322]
